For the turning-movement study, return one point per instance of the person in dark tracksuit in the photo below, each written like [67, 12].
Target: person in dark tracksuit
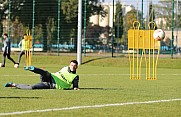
[62, 79]
[7, 50]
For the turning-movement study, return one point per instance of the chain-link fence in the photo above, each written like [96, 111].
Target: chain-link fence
[53, 23]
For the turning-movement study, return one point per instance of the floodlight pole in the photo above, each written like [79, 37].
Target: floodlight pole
[137, 1]
[58, 31]
[79, 39]
[85, 11]
[177, 28]
[113, 31]
[118, 23]
[33, 23]
[1, 22]
[172, 29]
[9, 17]
[142, 15]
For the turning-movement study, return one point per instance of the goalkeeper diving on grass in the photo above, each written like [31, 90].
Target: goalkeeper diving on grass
[63, 79]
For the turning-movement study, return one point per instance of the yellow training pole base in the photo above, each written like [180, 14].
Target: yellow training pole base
[151, 78]
[28, 60]
[135, 78]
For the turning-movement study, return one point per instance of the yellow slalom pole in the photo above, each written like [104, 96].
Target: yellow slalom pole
[26, 58]
[136, 47]
[156, 64]
[133, 54]
[152, 47]
[142, 53]
[130, 65]
[153, 62]
[28, 46]
[153, 74]
[137, 56]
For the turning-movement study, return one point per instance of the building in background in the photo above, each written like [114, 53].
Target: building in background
[108, 19]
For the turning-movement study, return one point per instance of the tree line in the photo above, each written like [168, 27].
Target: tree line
[46, 20]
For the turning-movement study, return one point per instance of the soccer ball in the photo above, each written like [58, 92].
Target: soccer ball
[1, 65]
[16, 65]
[159, 34]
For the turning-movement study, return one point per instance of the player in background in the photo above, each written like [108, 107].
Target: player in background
[7, 50]
[22, 47]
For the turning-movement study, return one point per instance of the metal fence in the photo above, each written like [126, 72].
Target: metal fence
[104, 25]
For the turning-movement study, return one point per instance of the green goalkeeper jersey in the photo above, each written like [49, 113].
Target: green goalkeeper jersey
[63, 78]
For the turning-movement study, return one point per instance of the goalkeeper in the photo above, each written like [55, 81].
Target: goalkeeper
[62, 79]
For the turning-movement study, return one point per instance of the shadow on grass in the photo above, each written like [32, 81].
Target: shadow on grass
[101, 58]
[100, 88]
[20, 97]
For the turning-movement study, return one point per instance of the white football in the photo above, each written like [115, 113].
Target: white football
[16, 65]
[158, 34]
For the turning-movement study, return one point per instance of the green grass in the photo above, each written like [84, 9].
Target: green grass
[103, 80]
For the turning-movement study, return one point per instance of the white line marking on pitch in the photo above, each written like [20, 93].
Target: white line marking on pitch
[83, 107]
[98, 75]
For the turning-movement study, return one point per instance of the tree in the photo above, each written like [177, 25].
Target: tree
[129, 19]
[151, 12]
[45, 9]
[119, 22]
[94, 32]
[3, 5]
[163, 10]
[70, 14]
[151, 15]
[16, 30]
[46, 12]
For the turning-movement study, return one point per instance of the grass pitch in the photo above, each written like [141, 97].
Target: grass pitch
[106, 90]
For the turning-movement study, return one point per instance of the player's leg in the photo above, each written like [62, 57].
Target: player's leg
[23, 86]
[45, 76]
[3, 59]
[19, 86]
[9, 57]
[20, 55]
[42, 85]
